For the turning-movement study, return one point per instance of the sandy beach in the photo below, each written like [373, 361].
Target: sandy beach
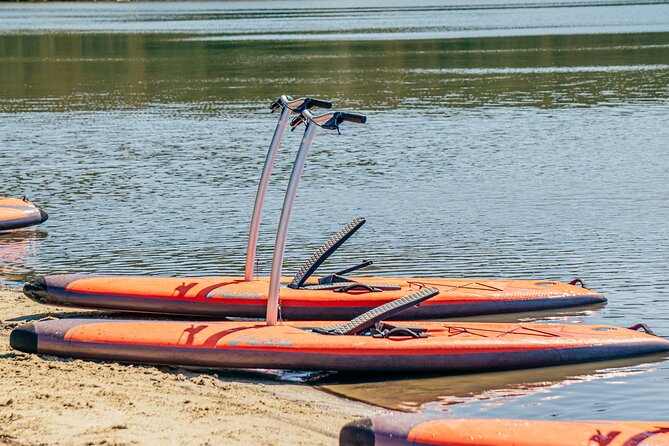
[49, 400]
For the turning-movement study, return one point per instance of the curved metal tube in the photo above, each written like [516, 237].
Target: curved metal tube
[282, 232]
[262, 191]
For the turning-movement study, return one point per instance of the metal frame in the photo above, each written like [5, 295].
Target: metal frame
[262, 189]
[284, 221]
[329, 121]
[287, 105]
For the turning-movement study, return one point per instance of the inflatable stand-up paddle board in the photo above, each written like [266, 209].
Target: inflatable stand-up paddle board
[435, 430]
[364, 344]
[331, 297]
[18, 213]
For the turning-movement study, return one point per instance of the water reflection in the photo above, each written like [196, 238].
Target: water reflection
[17, 249]
[496, 389]
[58, 72]
[566, 315]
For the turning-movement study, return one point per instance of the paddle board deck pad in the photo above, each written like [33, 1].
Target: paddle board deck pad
[16, 213]
[433, 430]
[400, 347]
[231, 296]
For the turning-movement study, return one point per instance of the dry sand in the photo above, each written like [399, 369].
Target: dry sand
[49, 400]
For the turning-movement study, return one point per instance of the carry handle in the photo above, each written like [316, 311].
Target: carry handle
[357, 286]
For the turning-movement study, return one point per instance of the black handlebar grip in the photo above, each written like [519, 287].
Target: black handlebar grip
[353, 117]
[320, 103]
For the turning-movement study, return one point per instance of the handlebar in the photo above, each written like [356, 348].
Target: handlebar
[299, 105]
[328, 121]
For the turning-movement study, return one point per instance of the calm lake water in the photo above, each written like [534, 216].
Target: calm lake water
[504, 140]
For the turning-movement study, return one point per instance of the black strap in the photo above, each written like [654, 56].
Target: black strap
[339, 275]
[642, 326]
[378, 314]
[579, 281]
[364, 264]
[337, 286]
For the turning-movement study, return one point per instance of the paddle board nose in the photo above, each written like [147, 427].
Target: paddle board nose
[596, 298]
[357, 433]
[24, 339]
[43, 215]
[36, 290]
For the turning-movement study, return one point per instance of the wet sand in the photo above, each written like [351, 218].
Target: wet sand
[49, 400]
